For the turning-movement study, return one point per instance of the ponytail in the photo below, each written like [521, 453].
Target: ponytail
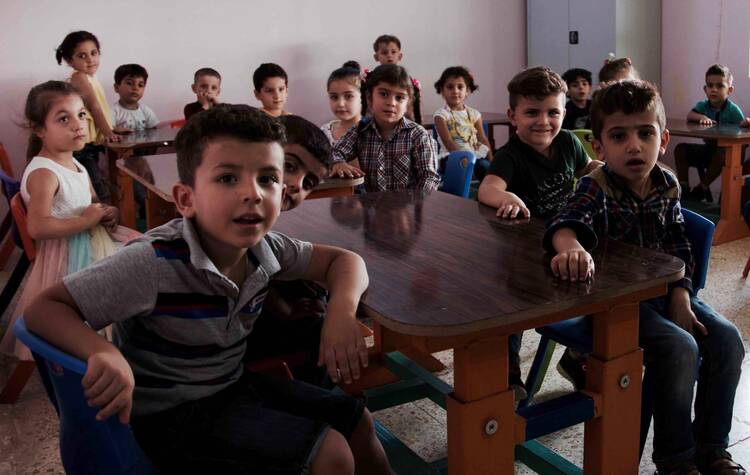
[34, 146]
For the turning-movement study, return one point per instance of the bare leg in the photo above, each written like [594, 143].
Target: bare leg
[333, 456]
[683, 168]
[369, 456]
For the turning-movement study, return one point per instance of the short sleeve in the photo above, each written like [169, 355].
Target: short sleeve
[502, 165]
[442, 113]
[151, 119]
[735, 114]
[700, 107]
[580, 157]
[292, 254]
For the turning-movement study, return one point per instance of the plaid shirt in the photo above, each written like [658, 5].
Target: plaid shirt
[604, 207]
[405, 161]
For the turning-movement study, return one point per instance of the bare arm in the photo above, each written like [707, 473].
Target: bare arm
[442, 129]
[572, 261]
[700, 118]
[479, 125]
[82, 85]
[492, 192]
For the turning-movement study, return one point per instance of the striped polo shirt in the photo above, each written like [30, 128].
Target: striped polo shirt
[179, 322]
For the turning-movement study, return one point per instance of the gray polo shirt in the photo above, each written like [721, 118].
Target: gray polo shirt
[179, 322]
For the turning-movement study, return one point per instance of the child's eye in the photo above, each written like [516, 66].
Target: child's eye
[348, 97]
[309, 183]
[383, 94]
[289, 167]
[82, 115]
[647, 133]
[268, 179]
[400, 98]
[617, 136]
[227, 179]
[63, 119]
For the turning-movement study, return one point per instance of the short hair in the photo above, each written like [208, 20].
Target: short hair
[132, 70]
[612, 67]
[385, 39]
[268, 70]
[237, 121]
[720, 70]
[302, 132]
[206, 72]
[538, 82]
[632, 96]
[349, 72]
[572, 74]
[392, 74]
[70, 42]
[456, 72]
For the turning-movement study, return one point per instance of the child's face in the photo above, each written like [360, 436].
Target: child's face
[237, 194]
[717, 89]
[579, 90]
[538, 121]
[273, 95]
[345, 100]
[207, 88]
[455, 92]
[131, 89]
[631, 144]
[388, 103]
[302, 173]
[85, 58]
[388, 53]
[65, 128]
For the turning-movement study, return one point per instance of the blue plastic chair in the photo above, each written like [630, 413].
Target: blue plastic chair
[459, 168]
[87, 446]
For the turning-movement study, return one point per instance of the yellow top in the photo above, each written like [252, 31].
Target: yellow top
[94, 133]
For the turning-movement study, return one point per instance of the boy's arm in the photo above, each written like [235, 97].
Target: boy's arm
[345, 151]
[698, 114]
[424, 153]
[151, 119]
[442, 129]
[572, 261]
[492, 192]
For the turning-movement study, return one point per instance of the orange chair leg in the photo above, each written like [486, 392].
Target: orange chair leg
[6, 251]
[747, 268]
[16, 382]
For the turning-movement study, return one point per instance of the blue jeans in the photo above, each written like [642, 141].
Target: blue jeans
[671, 356]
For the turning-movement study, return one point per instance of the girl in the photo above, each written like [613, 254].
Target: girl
[394, 152]
[345, 99]
[459, 126]
[69, 230]
[617, 70]
[80, 50]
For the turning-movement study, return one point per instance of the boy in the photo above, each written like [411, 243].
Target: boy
[717, 109]
[271, 88]
[128, 113]
[578, 106]
[207, 88]
[184, 298]
[387, 50]
[633, 199]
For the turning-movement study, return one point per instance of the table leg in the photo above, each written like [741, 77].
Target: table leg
[730, 225]
[126, 199]
[613, 371]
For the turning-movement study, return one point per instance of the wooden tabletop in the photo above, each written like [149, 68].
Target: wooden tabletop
[160, 136]
[444, 266]
[683, 128]
[490, 118]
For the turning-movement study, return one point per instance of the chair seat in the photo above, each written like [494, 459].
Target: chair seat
[575, 333]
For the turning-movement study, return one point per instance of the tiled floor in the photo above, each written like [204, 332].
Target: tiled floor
[28, 429]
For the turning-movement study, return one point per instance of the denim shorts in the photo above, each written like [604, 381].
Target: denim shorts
[261, 424]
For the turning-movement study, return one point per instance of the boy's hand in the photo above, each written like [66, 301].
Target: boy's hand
[745, 122]
[344, 170]
[111, 219]
[681, 313]
[705, 120]
[122, 130]
[575, 264]
[511, 205]
[113, 138]
[108, 384]
[342, 348]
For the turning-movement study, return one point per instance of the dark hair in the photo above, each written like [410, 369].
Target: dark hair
[538, 82]
[268, 70]
[302, 132]
[456, 72]
[612, 67]
[720, 70]
[222, 121]
[132, 70]
[38, 103]
[385, 39]
[573, 74]
[349, 72]
[71, 41]
[392, 74]
[632, 96]
[206, 72]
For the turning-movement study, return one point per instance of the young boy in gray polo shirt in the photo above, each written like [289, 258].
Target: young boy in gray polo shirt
[184, 297]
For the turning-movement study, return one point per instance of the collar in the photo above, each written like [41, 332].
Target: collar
[660, 181]
[404, 124]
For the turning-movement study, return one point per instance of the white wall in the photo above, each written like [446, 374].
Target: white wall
[308, 38]
[639, 36]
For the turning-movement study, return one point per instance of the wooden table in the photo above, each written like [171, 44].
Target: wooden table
[489, 118]
[158, 173]
[731, 226]
[446, 273]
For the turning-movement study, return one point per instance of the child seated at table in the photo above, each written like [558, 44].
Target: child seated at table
[394, 153]
[716, 109]
[387, 50]
[344, 87]
[185, 297]
[635, 200]
[207, 88]
[271, 88]
[578, 106]
[128, 114]
[617, 69]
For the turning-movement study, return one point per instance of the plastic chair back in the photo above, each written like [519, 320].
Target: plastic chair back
[586, 137]
[700, 232]
[176, 124]
[459, 168]
[11, 187]
[18, 208]
[87, 446]
[5, 161]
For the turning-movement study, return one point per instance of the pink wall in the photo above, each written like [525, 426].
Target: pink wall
[309, 39]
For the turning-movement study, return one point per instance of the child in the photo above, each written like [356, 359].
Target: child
[578, 106]
[635, 200]
[68, 229]
[394, 152]
[271, 88]
[345, 98]
[459, 126]
[307, 159]
[617, 70]
[207, 88]
[128, 113]
[81, 51]
[388, 51]
[185, 297]
[716, 109]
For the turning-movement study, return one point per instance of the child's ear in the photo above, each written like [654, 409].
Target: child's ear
[664, 142]
[375, 57]
[400, 56]
[730, 89]
[257, 94]
[511, 113]
[117, 86]
[192, 86]
[182, 195]
[598, 148]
